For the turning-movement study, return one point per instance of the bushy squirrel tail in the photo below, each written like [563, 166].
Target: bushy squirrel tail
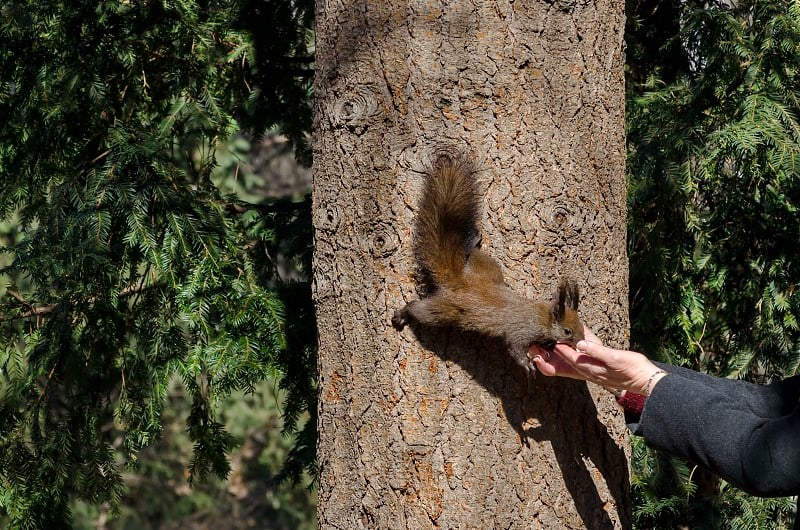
[446, 231]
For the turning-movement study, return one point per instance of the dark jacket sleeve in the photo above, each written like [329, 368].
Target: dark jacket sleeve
[748, 434]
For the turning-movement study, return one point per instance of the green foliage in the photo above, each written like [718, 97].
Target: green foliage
[127, 267]
[660, 487]
[158, 496]
[714, 185]
[714, 168]
[283, 59]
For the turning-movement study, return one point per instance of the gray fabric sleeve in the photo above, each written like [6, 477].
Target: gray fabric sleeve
[768, 401]
[748, 434]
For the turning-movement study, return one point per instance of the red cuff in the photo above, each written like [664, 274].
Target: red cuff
[631, 402]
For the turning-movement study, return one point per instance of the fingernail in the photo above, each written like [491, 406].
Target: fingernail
[581, 345]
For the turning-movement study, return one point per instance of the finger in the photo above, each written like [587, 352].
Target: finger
[568, 353]
[584, 365]
[590, 336]
[555, 365]
[590, 348]
[581, 364]
[544, 367]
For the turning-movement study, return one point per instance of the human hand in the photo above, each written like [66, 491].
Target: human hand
[552, 363]
[614, 369]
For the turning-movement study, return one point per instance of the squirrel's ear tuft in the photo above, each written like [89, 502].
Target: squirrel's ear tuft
[568, 295]
[572, 293]
[559, 305]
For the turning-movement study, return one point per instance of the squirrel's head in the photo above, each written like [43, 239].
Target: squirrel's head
[567, 326]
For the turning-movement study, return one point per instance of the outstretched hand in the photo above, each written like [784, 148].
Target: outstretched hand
[591, 361]
[557, 362]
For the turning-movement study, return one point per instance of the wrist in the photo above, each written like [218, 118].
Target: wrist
[655, 376]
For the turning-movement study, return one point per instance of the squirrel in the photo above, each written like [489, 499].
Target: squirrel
[465, 286]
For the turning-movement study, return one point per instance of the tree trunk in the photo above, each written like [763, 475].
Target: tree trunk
[441, 430]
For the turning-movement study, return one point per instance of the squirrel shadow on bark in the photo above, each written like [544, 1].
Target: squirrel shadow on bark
[468, 315]
[542, 409]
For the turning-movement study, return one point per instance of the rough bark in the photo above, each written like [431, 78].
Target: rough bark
[441, 429]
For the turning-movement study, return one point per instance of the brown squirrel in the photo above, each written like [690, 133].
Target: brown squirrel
[465, 286]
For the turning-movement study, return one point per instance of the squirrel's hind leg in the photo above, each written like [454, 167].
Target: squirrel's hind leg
[432, 311]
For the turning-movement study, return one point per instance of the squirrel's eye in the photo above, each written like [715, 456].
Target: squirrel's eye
[568, 332]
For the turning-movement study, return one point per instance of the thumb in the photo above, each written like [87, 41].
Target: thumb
[589, 347]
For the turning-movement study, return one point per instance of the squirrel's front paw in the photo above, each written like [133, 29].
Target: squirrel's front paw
[400, 319]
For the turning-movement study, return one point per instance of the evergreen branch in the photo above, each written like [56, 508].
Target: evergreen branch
[32, 312]
[36, 311]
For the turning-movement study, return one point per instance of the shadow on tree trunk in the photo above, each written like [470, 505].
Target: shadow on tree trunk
[541, 409]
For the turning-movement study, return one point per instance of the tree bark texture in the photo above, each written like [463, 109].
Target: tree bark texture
[441, 429]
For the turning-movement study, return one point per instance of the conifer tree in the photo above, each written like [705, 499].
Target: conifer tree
[128, 267]
[714, 158]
